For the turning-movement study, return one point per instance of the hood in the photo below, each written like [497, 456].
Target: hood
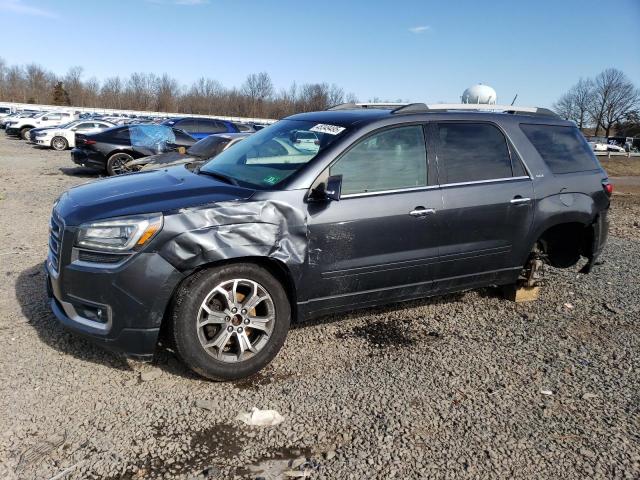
[144, 192]
[161, 159]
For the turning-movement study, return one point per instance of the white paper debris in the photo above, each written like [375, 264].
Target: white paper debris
[262, 418]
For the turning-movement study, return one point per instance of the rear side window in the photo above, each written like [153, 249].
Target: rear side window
[564, 149]
[471, 152]
[187, 125]
[390, 160]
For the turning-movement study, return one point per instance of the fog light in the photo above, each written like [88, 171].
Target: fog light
[93, 313]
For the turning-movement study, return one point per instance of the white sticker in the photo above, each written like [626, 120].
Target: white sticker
[330, 129]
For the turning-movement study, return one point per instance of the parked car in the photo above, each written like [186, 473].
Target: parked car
[605, 147]
[225, 257]
[305, 140]
[201, 127]
[63, 137]
[5, 112]
[21, 126]
[14, 116]
[198, 153]
[112, 149]
[612, 147]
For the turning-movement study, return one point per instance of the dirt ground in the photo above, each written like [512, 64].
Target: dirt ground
[463, 386]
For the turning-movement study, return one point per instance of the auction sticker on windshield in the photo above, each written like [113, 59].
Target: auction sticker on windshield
[325, 128]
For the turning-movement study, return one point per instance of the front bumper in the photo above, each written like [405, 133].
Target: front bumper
[134, 297]
[12, 131]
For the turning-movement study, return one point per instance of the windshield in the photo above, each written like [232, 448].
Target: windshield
[268, 157]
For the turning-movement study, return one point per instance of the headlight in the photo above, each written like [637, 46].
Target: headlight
[120, 234]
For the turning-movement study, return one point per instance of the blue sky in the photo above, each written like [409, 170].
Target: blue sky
[414, 50]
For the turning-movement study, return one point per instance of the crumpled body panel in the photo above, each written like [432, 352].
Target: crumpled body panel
[224, 230]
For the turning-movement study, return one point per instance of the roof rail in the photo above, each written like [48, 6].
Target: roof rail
[352, 105]
[445, 107]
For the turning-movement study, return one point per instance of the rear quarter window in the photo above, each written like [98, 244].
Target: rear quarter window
[564, 149]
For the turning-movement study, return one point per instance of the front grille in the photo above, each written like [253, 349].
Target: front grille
[56, 231]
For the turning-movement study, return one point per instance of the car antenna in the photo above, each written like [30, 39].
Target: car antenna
[514, 100]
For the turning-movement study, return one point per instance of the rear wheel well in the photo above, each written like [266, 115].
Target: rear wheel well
[563, 244]
[128, 152]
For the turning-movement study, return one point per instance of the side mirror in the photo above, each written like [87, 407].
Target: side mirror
[328, 191]
[334, 187]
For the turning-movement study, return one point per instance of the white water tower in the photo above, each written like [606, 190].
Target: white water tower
[479, 94]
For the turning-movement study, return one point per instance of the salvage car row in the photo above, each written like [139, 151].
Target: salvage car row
[116, 145]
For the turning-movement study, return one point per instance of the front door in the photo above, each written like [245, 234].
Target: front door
[380, 240]
[488, 204]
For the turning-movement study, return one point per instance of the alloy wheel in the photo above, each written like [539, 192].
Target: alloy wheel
[235, 320]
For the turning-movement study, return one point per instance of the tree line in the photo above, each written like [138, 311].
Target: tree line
[256, 97]
[607, 102]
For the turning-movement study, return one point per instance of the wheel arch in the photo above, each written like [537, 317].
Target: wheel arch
[131, 152]
[277, 268]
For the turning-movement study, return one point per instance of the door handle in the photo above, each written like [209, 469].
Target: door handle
[519, 199]
[422, 212]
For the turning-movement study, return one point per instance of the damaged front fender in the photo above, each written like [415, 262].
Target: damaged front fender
[235, 229]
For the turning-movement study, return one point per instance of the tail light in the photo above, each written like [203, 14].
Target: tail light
[85, 141]
[607, 187]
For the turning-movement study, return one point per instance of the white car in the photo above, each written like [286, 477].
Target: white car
[64, 136]
[605, 147]
[15, 116]
[305, 140]
[22, 126]
[5, 111]
[611, 147]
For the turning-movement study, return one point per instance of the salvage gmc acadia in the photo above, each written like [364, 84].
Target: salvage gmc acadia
[388, 203]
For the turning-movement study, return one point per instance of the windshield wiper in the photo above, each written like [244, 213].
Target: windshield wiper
[219, 176]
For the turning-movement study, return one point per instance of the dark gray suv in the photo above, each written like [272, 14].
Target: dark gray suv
[389, 203]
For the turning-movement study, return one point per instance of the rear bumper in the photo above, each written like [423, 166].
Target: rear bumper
[88, 158]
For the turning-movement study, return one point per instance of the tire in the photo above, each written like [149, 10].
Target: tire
[59, 143]
[193, 328]
[24, 133]
[115, 164]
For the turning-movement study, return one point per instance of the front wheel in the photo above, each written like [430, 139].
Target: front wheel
[230, 321]
[117, 163]
[59, 143]
[24, 133]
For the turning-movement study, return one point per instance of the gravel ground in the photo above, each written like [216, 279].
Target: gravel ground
[467, 385]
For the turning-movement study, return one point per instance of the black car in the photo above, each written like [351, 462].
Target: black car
[393, 204]
[111, 149]
[197, 154]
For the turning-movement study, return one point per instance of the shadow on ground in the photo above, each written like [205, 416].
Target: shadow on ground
[31, 293]
[32, 296]
[80, 172]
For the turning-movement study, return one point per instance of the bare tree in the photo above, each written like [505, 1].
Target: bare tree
[166, 92]
[74, 86]
[614, 97]
[257, 88]
[576, 103]
[111, 93]
[144, 91]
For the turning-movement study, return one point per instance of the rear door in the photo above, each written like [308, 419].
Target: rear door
[379, 242]
[487, 203]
